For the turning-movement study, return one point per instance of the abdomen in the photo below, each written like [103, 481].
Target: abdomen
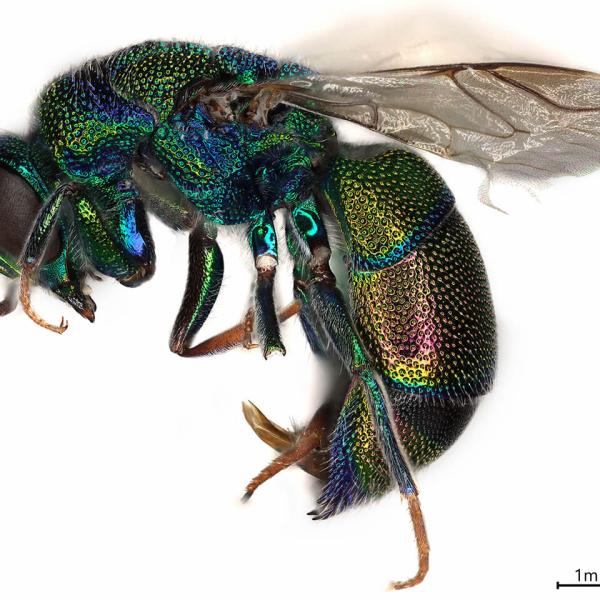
[419, 294]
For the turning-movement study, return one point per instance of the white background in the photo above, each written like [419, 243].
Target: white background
[121, 465]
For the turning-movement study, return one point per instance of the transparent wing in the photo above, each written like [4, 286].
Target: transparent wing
[530, 119]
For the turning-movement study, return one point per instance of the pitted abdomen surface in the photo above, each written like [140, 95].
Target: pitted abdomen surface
[420, 294]
[428, 321]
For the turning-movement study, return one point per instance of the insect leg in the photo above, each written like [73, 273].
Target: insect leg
[10, 301]
[9, 268]
[22, 192]
[293, 447]
[205, 275]
[35, 249]
[99, 239]
[301, 446]
[306, 448]
[343, 484]
[308, 320]
[110, 223]
[62, 274]
[204, 280]
[238, 334]
[263, 240]
[126, 222]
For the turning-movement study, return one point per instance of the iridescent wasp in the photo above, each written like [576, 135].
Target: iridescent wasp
[210, 137]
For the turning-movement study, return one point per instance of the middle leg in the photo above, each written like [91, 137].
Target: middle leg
[263, 241]
[205, 275]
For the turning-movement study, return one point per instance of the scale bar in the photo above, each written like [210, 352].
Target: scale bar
[559, 585]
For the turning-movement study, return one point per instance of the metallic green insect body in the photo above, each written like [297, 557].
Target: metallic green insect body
[210, 137]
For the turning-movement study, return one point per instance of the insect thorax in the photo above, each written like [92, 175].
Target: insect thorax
[94, 120]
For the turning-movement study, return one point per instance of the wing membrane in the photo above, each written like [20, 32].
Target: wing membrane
[533, 119]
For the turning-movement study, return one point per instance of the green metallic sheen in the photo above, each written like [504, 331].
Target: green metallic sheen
[213, 275]
[9, 267]
[97, 239]
[427, 317]
[386, 205]
[15, 155]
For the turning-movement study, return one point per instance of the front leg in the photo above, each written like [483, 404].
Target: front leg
[114, 235]
[119, 233]
[9, 268]
[35, 248]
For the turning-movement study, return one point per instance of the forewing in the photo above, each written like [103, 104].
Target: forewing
[533, 119]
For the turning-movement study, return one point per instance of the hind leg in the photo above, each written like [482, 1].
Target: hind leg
[365, 452]
[339, 447]
[306, 448]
